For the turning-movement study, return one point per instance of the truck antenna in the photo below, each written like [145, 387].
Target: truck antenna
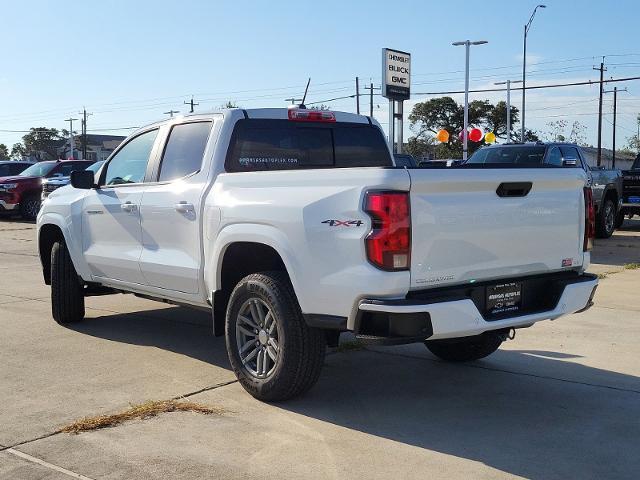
[305, 94]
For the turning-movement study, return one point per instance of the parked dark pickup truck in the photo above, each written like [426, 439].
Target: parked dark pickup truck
[606, 184]
[630, 191]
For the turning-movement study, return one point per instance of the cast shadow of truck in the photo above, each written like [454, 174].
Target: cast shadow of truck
[535, 414]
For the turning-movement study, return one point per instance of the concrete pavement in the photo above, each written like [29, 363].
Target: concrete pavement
[560, 401]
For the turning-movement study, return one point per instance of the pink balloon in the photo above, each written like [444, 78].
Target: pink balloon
[461, 135]
[475, 135]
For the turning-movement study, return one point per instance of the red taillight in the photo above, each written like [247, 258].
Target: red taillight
[389, 242]
[311, 115]
[589, 220]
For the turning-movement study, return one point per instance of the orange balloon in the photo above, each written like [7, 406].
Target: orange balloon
[442, 136]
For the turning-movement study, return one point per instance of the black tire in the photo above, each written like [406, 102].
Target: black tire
[465, 349]
[67, 295]
[606, 219]
[619, 219]
[301, 349]
[30, 207]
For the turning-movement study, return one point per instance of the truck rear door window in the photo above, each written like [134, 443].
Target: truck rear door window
[259, 144]
[184, 150]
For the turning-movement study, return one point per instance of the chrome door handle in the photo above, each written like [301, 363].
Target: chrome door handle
[184, 207]
[128, 207]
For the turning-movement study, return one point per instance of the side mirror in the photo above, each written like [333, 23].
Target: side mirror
[569, 162]
[83, 179]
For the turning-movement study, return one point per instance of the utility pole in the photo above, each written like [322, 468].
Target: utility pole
[171, 112]
[602, 70]
[508, 84]
[84, 131]
[371, 88]
[357, 95]
[71, 120]
[191, 104]
[615, 104]
[293, 100]
[371, 102]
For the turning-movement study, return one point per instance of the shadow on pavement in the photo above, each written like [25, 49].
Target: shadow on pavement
[524, 412]
[180, 330]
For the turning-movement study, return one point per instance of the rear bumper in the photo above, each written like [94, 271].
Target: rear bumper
[4, 206]
[412, 320]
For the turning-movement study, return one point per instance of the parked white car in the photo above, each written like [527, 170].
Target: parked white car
[293, 225]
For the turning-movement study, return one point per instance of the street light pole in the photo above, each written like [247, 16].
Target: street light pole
[508, 84]
[524, 70]
[467, 44]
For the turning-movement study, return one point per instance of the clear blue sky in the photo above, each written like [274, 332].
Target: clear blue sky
[130, 61]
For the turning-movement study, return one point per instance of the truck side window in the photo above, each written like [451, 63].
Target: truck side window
[129, 165]
[184, 151]
[571, 153]
[554, 157]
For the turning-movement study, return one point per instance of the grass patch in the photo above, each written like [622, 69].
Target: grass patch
[632, 266]
[350, 346]
[602, 276]
[142, 411]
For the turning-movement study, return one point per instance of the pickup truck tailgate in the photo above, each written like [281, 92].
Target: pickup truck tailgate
[463, 230]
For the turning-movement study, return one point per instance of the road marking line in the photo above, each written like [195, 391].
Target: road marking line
[29, 458]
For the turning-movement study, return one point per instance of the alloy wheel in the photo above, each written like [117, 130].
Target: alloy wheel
[257, 338]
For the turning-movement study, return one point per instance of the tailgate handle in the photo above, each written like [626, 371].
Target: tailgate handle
[514, 189]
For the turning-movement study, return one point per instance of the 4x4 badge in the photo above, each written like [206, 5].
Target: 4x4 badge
[344, 223]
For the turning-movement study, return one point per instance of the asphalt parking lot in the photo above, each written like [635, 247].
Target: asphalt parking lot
[560, 401]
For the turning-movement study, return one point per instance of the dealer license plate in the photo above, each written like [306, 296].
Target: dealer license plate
[504, 298]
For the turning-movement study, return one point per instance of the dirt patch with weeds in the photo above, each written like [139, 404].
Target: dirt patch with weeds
[632, 266]
[139, 412]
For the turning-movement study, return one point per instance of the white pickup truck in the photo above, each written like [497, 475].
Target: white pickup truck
[292, 226]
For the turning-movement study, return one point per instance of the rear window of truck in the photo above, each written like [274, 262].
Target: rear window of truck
[524, 155]
[258, 145]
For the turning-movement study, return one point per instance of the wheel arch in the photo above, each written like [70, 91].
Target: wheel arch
[51, 227]
[240, 251]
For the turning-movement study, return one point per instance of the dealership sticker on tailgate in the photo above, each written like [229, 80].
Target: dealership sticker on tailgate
[503, 298]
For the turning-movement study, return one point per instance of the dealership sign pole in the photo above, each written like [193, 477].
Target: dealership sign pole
[396, 86]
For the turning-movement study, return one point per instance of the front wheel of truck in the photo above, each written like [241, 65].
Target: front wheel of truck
[273, 352]
[67, 295]
[465, 349]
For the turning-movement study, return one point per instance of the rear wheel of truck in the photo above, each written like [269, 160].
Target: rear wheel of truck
[273, 352]
[465, 349]
[30, 207]
[67, 295]
[606, 219]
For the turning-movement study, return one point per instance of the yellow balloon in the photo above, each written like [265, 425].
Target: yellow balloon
[489, 137]
[442, 136]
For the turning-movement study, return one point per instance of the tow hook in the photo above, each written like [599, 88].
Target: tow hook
[511, 334]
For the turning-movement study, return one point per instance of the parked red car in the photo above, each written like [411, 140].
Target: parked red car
[21, 193]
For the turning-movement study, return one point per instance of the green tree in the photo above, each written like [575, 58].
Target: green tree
[427, 118]
[4, 152]
[42, 142]
[18, 151]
